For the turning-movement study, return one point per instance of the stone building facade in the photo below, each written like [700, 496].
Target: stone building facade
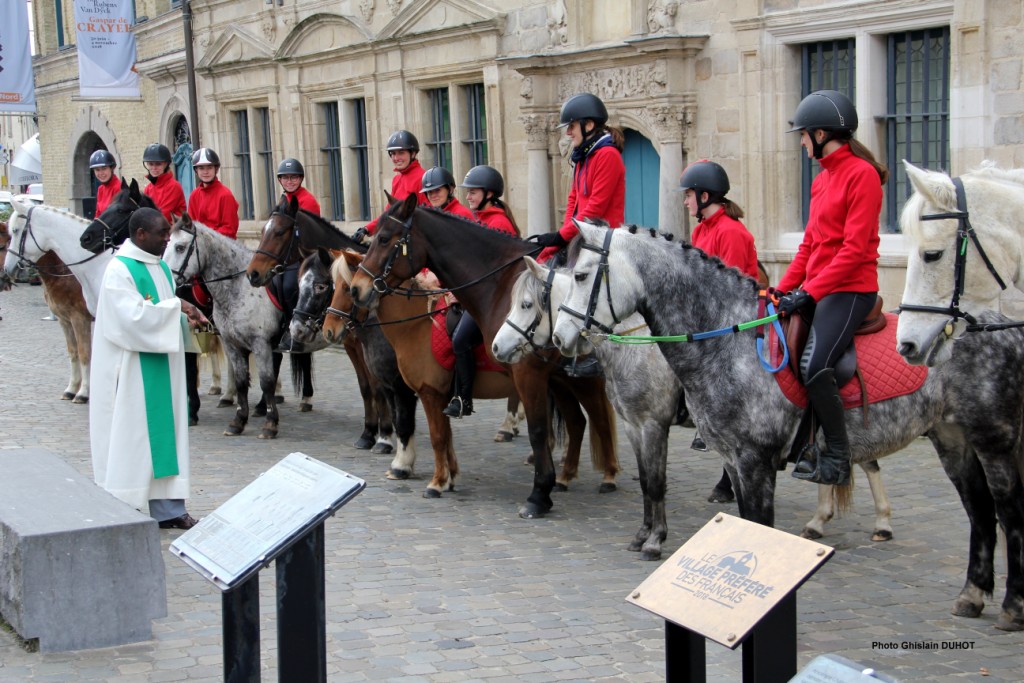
[326, 81]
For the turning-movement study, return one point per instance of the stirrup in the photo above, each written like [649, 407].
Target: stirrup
[821, 468]
[458, 408]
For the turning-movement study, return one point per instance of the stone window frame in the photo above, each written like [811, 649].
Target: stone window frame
[458, 112]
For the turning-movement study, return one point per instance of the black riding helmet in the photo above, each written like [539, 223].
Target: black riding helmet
[705, 176]
[290, 167]
[156, 152]
[583, 106]
[485, 178]
[436, 177]
[403, 139]
[205, 155]
[827, 110]
[101, 158]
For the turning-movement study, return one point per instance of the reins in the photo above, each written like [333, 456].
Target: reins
[22, 259]
[530, 331]
[964, 232]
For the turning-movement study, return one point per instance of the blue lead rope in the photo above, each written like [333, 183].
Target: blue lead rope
[782, 338]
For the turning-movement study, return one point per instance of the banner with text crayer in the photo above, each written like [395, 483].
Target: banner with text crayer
[17, 89]
[106, 48]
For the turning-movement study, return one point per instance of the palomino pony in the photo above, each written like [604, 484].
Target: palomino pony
[480, 265]
[407, 325]
[246, 318]
[316, 287]
[956, 266]
[971, 409]
[62, 290]
[645, 392]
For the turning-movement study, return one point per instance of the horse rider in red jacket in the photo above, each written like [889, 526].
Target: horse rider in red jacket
[291, 174]
[834, 277]
[163, 189]
[212, 203]
[103, 164]
[402, 149]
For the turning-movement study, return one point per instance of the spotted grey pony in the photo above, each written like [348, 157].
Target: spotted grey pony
[972, 408]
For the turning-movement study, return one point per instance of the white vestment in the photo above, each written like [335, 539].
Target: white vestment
[127, 324]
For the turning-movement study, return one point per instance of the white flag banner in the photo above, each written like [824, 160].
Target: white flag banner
[106, 48]
[17, 89]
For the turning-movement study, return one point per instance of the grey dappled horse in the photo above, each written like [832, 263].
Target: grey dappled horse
[972, 409]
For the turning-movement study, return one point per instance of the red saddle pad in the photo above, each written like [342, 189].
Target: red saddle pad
[886, 374]
[441, 346]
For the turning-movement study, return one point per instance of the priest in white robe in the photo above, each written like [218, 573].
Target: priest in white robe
[138, 408]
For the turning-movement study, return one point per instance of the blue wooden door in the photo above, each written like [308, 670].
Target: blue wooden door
[643, 166]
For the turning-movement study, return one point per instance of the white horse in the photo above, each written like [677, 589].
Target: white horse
[933, 303]
[49, 239]
[645, 392]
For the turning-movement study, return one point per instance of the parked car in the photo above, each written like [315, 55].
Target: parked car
[6, 208]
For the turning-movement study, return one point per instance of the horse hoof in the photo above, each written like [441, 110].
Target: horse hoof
[364, 442]
[882, 535]
[214, 391]
[721, 496]
[233, 431]
[812, 534]
[650, 555]
[305, 407]
[399, 474]
[382, 448]
[1007, 622]
[431, 493]
[225, 403]
[503, 437]
[67, 396]
[607, 487]
[532, 511]
[560, 487]
[80, 400]
[267, 434]
[965, 608]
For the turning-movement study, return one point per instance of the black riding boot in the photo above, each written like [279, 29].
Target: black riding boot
[582, 367]
[832, 465]
[465, 372]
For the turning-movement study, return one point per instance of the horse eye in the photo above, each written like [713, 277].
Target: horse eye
[526, 305]
[579, 277]
[320, 289]
[179, 248]
[932, 256]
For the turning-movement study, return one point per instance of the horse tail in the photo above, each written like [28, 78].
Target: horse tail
[843, 496]
[557, 436]
[604, 437]
[302, 374]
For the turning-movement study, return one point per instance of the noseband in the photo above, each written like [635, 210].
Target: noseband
[964, 232]
[545, 303]
[595, 291]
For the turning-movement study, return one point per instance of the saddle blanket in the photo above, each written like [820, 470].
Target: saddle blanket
[886, 374]
[441, 346]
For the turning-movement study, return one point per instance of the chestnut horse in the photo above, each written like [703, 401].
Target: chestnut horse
[481, 265]
[408, 328]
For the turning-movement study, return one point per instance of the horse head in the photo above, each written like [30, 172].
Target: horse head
[530, 322]
[182, 252]
[952, 273]
[316, 287]
[340, 314]
[110, 228]
[391, 258]
[278, 243]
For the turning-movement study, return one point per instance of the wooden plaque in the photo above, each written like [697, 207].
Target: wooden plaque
[728, 576]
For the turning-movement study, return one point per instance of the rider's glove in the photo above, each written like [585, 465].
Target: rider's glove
[793, 302]
[548, 239]
[359, 235]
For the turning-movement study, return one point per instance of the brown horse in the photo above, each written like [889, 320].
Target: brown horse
[63, 295]
[481, 265]
[406, 326]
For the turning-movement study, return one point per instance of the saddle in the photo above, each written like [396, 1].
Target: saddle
[445, 320]
[284, 293]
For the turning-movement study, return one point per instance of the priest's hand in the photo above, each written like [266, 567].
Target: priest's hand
[194, 315]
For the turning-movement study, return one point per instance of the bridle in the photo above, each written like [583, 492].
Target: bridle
[283, 261]
[110, 233]
[23, 242]
[193, 247]
[964, 232]
[595, 291]
[545, 307]
[316, 321]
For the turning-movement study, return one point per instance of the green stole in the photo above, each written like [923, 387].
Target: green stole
[156, 383]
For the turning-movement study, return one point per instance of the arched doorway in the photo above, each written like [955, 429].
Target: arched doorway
[182, 150]
[83, 184]
[643, 168]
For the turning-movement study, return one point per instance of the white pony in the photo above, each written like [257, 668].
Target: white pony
[993, 205]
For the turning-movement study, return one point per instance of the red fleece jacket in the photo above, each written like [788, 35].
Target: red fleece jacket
[306, 200]
[406, 182]
[729, 240]
[166, 192]
[106, 192]
[215, 207]
[496, 218]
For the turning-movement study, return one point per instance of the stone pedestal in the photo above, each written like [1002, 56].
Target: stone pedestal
[78, 568]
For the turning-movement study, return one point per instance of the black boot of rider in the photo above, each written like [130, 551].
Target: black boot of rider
[465, 373]
[582, 366]
[831, 465]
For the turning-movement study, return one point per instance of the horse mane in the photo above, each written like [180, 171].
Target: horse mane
[990, 171]
[56, 210]
[466, 221]
[333, 229]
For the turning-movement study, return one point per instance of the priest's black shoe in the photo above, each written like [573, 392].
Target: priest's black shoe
[186, 521]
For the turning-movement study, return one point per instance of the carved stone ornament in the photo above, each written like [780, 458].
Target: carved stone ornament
[394, 6]
[538, 128]
[668, 121]
[268, 26]
[661, 15]
[558, 27]
[618, 82]
[526, 89]
[366, 8]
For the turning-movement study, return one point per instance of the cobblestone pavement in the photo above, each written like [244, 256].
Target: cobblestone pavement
[462, 589]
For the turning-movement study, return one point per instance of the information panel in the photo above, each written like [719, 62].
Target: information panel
[266, 517]
[728, 576]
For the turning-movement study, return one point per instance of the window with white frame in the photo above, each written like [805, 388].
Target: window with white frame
[330, 149]
[243, 158]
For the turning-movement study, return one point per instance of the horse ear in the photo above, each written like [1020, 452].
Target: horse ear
[124, 183]
[409, 204]
[391, 200]
[133, 189]
[536, 270]
[293, 206]
[937, 188]
[326, 257]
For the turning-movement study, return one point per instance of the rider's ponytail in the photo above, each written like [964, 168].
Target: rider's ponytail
[858, 149]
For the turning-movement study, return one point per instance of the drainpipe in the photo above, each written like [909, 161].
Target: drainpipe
[190, 70]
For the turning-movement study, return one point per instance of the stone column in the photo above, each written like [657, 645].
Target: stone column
[670, 123]
[538, 173]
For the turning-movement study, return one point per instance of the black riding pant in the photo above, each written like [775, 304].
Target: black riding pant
[467, 335]
[834, 320]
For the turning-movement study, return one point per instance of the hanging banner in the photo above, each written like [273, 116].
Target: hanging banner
[17, 89]
[106, 48]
